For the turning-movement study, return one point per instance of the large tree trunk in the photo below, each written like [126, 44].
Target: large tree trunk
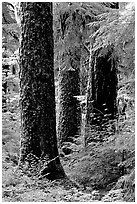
[101, 95]
[38, 120]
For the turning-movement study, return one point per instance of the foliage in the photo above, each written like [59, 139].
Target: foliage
[8, 15]
[10, 81]
[19, 186]
[10, 34]
[102, 164]
[10, 44]
[10, 29]
[122, 37]
[97, 166]
[68, 17]
[106, 166]
[127, 183]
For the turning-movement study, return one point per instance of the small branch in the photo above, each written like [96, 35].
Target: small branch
[99, 111]
[52, 160]
[87, 49]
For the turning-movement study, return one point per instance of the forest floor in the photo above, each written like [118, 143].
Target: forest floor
[94, 173]
[19, 187]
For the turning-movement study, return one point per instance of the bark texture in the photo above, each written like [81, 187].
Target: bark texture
[69, 80]
[37, 91]
[69, 108]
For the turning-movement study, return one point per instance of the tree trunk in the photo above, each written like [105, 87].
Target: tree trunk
[69, 82]
[5, 70]
[69, 107]
[101, 96]
[38, 120]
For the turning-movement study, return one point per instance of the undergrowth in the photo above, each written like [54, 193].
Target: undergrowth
[104, 167]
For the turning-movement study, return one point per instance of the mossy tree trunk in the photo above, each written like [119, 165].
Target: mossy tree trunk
[69, 107]
[37, 91]
[69, 80]
[101, 95]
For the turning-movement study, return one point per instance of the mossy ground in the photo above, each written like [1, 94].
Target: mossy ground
[98, 170]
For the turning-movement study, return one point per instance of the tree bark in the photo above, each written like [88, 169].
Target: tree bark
[69, 82]
[69, 107]
[37, 90]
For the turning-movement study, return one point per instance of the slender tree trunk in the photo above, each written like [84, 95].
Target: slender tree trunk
[101, 95]
[38, 120]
